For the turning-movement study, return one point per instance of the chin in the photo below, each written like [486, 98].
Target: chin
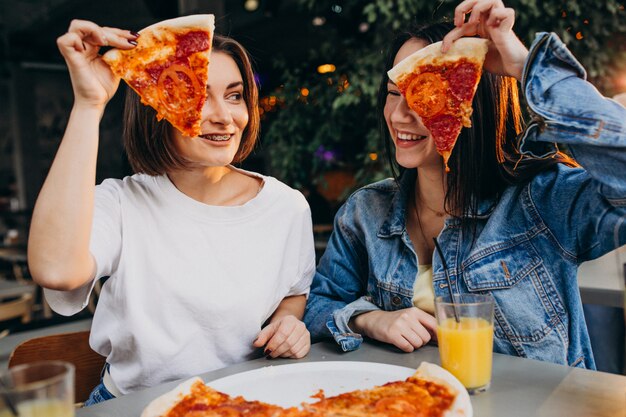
[408, 162]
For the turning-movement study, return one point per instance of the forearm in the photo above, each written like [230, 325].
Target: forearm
[569, 110]
[58, 247]
[290, 306]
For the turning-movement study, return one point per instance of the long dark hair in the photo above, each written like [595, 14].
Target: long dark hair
[486, 158]
[149, 143]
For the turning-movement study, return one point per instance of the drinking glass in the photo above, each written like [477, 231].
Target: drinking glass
[38, 389]
[465, 333]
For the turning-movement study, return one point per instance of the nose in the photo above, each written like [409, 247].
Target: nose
[401, 113]
[216, 111]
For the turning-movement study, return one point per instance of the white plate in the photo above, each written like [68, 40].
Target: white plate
[290, 385]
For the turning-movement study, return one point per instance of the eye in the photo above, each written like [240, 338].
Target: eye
[394, 93]
[235, 96]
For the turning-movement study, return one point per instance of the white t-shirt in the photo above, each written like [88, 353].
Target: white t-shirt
[190, 284]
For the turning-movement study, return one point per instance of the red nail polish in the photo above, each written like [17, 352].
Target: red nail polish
[134, 43]
[135, 34]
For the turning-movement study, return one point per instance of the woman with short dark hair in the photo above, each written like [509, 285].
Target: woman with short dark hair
[514, 217]
[208, 264]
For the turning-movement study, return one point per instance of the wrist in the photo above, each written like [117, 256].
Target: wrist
[86, 108]
[358, 324]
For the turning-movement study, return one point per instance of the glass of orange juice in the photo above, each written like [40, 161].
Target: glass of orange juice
[465, 333]
[38, 389]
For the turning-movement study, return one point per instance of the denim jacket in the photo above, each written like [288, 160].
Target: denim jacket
[528, 244]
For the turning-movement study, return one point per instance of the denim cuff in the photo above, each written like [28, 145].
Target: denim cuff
[338, 323]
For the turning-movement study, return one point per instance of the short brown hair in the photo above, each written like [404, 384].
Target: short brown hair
[149, 143]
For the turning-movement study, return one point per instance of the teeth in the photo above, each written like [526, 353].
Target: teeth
[216, 137]
[408, 136]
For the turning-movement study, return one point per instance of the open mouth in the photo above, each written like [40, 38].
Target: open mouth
[410, 137]
[216, 138]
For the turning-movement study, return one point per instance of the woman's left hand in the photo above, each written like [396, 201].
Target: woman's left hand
[286, 337]
[490, 19]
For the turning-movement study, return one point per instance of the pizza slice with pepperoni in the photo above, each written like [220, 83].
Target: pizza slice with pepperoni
[430, 392]
[440, 87]
[169, 68]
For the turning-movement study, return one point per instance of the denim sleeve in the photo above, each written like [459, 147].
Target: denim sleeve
[339, 285]
[569, 110]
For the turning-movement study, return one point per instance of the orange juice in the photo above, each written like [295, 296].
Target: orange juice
[466, 349]
[42, 408]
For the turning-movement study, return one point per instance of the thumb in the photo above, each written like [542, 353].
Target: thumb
[264, 335]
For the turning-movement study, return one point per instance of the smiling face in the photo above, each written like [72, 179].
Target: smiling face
[414, 145]
[224, 117]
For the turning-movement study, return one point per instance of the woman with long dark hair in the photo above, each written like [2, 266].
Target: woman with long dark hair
[515, 216]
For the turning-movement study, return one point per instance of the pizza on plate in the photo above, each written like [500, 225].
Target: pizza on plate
[169, 68]
[430, 392]
[440, 87]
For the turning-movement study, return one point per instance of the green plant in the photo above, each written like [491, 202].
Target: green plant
[328, 121]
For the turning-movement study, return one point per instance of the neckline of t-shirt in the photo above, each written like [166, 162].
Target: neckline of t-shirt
[211, 213]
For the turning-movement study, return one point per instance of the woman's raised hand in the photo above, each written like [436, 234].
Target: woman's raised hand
[93, 82]
[490, 19]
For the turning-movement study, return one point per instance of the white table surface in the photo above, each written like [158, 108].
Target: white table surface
[520, 387]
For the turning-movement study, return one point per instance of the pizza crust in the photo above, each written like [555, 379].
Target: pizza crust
[203, 21]
[472, 49]
[462, 406]
[191, 21]
[160, 406]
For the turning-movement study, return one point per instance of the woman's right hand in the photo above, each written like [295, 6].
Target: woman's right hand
[407, 329]
[92, 80]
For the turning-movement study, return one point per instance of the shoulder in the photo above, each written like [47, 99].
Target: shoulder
[560, 179]
[129, 183]
[133, 187]
[284, 195]
[369, 207]
[377, 196]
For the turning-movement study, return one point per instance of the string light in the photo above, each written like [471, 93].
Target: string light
[373, 156]
[318, 21]
[251, 5]
[326, 68]
[304, 91]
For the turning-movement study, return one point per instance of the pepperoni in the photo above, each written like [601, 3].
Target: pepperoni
[191, 42]
[462, 79]
[178, 84]
[445, 129]
[426, 94]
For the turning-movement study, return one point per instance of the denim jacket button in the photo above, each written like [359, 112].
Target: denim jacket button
[395, 300]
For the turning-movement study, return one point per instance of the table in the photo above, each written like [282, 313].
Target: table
[520, 387]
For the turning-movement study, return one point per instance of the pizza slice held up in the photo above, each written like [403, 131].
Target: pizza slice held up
[169, 68]
[440, 87]
[430, 392]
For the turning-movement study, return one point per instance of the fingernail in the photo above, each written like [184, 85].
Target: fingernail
[267, 352]
[134, 43]
[268, 357]
[135, 34]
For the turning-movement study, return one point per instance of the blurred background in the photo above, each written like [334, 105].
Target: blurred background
[318, 64]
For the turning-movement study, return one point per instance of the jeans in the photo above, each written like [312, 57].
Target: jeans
[100, 393]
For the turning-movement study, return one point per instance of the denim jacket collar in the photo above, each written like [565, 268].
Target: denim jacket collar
[396, 217]
[395, 221]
